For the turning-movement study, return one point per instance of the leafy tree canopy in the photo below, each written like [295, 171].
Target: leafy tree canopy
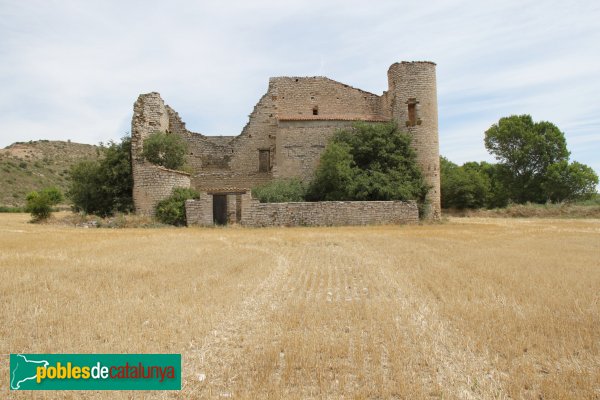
[569, 181]
[462, 187]
[526, 149]
[167, 150]
[105, 186]
[368, 162]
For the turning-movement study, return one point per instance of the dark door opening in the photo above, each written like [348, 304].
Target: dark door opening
[220, 209]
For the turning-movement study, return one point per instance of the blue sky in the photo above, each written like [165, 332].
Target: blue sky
[73, 69]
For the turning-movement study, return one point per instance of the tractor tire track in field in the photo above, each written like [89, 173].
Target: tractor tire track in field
[212, 366]
[330, 321]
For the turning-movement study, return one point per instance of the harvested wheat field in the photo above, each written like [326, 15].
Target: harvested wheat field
[469, 309]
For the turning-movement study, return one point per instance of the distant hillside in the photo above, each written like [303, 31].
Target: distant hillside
[34, 165]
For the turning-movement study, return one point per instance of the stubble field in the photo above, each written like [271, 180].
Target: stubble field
[470, 309]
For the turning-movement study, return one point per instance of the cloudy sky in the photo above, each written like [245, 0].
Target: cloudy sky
[72, 69]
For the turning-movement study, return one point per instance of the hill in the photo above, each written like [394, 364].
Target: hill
[34, 165]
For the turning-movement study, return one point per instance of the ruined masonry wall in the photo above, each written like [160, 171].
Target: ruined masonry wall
[298, 97]
[154, 184]
[151, 183]
[283, 123]
[199, 212]
[300, 144]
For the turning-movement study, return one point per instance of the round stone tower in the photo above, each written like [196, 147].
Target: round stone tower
[412, 96]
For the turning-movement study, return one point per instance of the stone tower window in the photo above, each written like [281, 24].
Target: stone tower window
[316, 110]
[413, 118]
[264, 160]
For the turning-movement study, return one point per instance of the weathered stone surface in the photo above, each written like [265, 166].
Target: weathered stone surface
[325, 213]
[293, 121]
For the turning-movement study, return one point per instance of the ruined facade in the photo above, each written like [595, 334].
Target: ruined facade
[285, 136]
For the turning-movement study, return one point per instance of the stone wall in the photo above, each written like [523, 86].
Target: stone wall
[330, 213]
[325, 213]
[199, 212]
[300, 144]
[299, 96]
[153, 184]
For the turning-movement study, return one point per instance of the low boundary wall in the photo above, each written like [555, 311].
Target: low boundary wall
[324, 213]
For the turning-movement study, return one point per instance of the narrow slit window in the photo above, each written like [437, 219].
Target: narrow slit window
[264, 160]
[315, 110]
[412, 114]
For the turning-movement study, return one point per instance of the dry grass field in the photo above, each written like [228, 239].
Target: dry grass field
[470, 309]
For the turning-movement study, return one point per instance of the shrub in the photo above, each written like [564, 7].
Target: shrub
[280, 191]
[167, 150]
[39, 204]
[54, 194]
[172, 209]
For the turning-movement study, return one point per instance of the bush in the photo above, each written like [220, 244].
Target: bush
[280, 191]
[167, 150]
[172, 209]
[39, 204]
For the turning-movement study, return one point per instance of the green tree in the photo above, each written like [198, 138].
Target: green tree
[39, 204]
[280, 191]
[570, 181]
[463, 186]
[498, 195]
[167, 150]
[172, 209]
[368, 162]
[526, 149]
[105, 186]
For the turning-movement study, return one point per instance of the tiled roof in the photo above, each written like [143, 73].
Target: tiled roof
[333, 117]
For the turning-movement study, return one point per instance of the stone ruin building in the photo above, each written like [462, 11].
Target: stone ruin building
[284, 137]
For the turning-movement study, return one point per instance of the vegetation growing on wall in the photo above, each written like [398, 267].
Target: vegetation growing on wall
[166, 150]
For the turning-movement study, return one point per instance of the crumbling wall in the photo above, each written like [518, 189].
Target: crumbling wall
[199, 212]
[292, 123]
[151, 183]
[298, 97]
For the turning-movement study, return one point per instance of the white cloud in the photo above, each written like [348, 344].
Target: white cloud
[72, 70]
